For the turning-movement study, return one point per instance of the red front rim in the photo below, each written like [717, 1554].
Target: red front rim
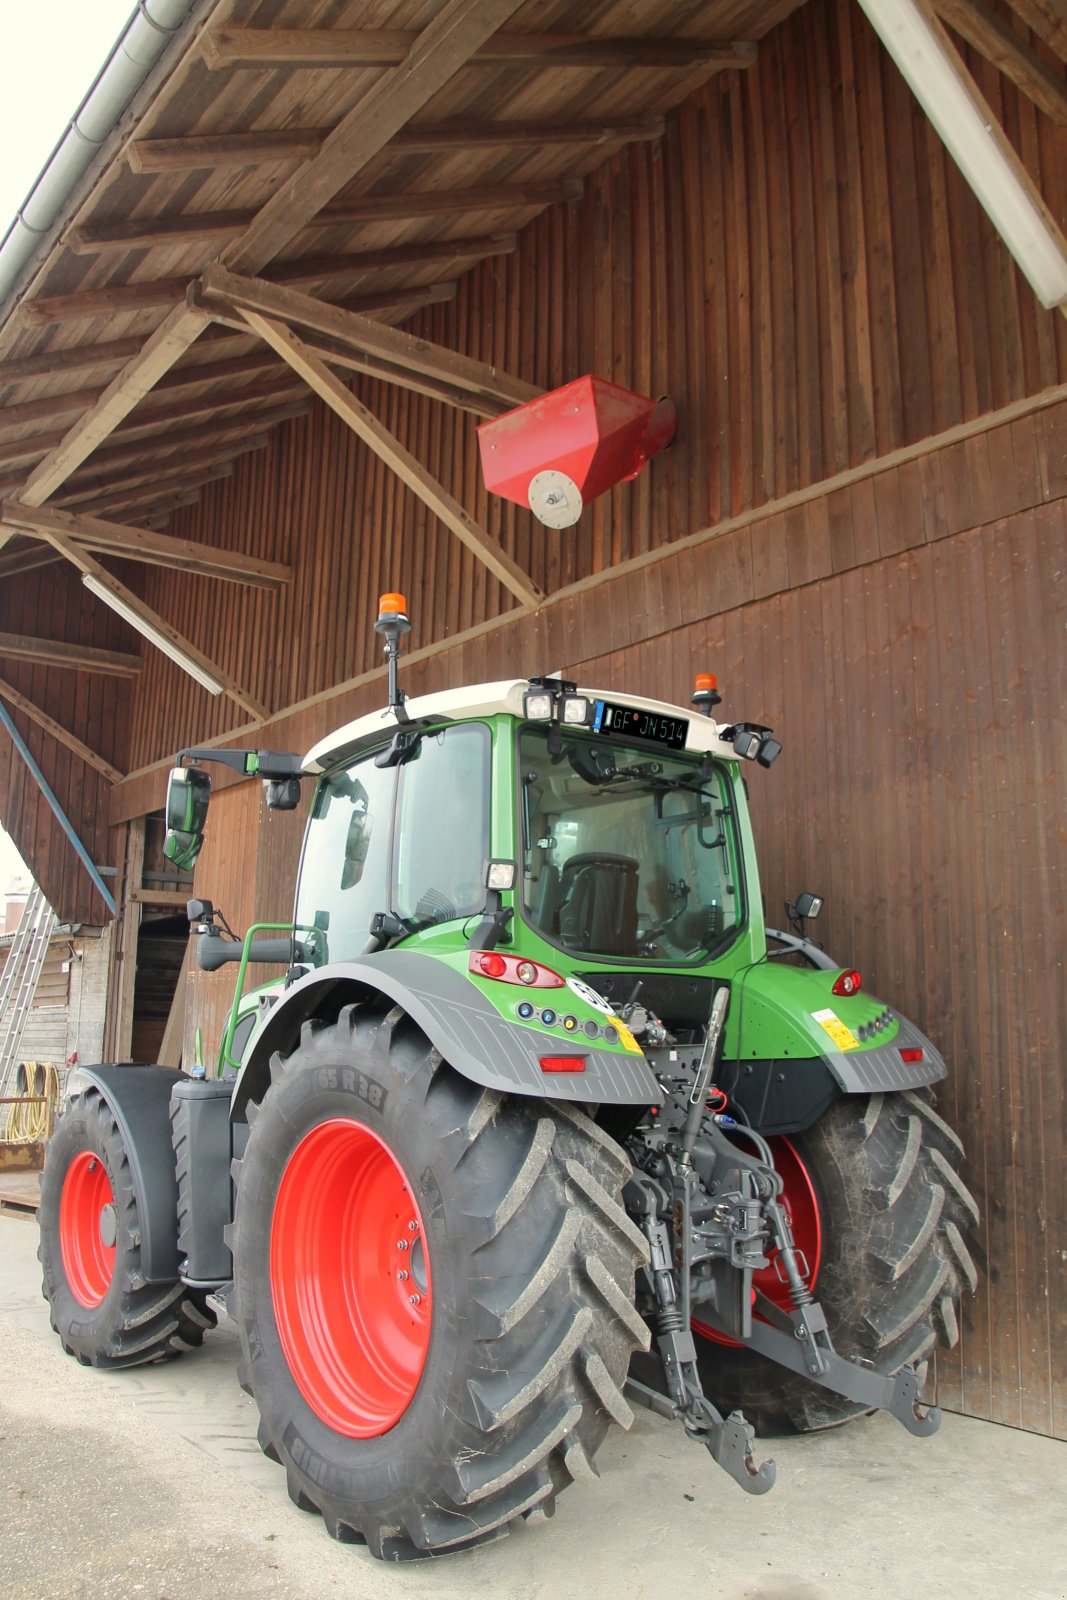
[86, 1221]
[802, 1206]
[350, 1279]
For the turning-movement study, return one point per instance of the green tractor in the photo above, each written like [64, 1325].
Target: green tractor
[541, 1122]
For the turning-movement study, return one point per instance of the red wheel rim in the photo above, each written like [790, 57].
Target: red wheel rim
[350, 1279]
[802, 1205]
[86, 1211]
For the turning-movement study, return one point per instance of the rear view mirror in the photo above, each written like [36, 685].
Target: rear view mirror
[357, 842]
[188, 792]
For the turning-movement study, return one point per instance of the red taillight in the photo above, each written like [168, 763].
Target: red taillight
[562, 1063]
[847, 983]
[911, 1056]
[513, 969]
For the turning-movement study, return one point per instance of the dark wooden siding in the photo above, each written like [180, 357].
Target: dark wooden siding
[797, 262]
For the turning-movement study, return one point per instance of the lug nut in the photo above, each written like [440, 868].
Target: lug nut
[413, 1227]
[402, 1275]
[414, 1299]
[401, 1244]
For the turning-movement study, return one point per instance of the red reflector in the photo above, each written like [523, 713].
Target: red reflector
[489, 963]
[910, 1056]
[847, 983]
[562, 1063]
[510, 969]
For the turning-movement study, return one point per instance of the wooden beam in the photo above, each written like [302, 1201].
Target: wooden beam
[56, 405]
[13, 451]
[85, 489]
[1048, 19]
[994, 37]
[428, 253]
[183, 377]
[158, 354]
[64, 736]
[369, 338]
[160, 498]
[225, 150]
[79, 657]
[89, 567]
[130, 446]
[388, 47]
[136, 544]
[162, 232]
[126, 951]
[160, 897]
[431, 139]
[147, 232]
[80, 357]
[373, 433]
[169, 408]
[410, 205]
[407, 300]
[459, 28]
[367, 366]
[17, 560]
[163, 292]
[158, 295]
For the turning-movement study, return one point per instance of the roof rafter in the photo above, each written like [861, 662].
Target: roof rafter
[993, 36]
[373, 433]
[445, 45]
[89, 567]
[56, 729]
[78, 657]
[369, 338]
[155, 549]
[388, 47]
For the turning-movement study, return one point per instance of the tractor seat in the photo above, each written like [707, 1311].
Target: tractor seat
[598, 904]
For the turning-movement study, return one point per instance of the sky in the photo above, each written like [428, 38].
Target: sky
[52, 50]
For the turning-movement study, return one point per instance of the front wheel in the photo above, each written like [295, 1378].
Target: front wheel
[104, 1312]
[434, 1290]
[885, 1221]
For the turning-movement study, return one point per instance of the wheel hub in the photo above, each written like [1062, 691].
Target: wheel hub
[88, 1229]
[350, 1279]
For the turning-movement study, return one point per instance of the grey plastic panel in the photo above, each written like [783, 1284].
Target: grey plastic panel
[873, 1071]
[469, 1032]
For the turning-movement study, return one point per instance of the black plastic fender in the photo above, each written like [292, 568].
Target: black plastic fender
[139, 1099]
[472, 1036]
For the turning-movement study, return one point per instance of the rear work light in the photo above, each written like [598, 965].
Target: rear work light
[848, 983]
[911, 1056]
[513, 969]
[562, 1063]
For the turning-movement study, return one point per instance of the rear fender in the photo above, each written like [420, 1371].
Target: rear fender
[138, 1097]
[472, 1036]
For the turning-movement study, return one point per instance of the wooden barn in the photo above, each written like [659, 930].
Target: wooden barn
[242, 361]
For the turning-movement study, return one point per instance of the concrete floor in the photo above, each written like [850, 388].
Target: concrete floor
[149, 1484]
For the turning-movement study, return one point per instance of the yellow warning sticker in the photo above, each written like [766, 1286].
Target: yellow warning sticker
[626, 1037]
[842, 1036]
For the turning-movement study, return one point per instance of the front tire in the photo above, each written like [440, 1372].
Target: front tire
[104, 1312]
[426, 1412]
[895, 1220]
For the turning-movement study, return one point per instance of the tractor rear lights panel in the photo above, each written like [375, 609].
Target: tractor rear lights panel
[513, 969]
[868, 1030]
[848, 983]
[629, 722]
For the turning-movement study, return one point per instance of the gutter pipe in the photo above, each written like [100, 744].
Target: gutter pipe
[138, 48]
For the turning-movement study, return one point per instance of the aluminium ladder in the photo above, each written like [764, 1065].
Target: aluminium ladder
[22, 973]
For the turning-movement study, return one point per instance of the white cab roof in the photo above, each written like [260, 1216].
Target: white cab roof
[490, 699]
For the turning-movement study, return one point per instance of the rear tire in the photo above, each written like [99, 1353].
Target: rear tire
[517, 1351]
[102, 1309]
[896, 1220]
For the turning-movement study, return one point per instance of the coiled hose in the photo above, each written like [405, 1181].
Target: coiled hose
[29, 1120]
